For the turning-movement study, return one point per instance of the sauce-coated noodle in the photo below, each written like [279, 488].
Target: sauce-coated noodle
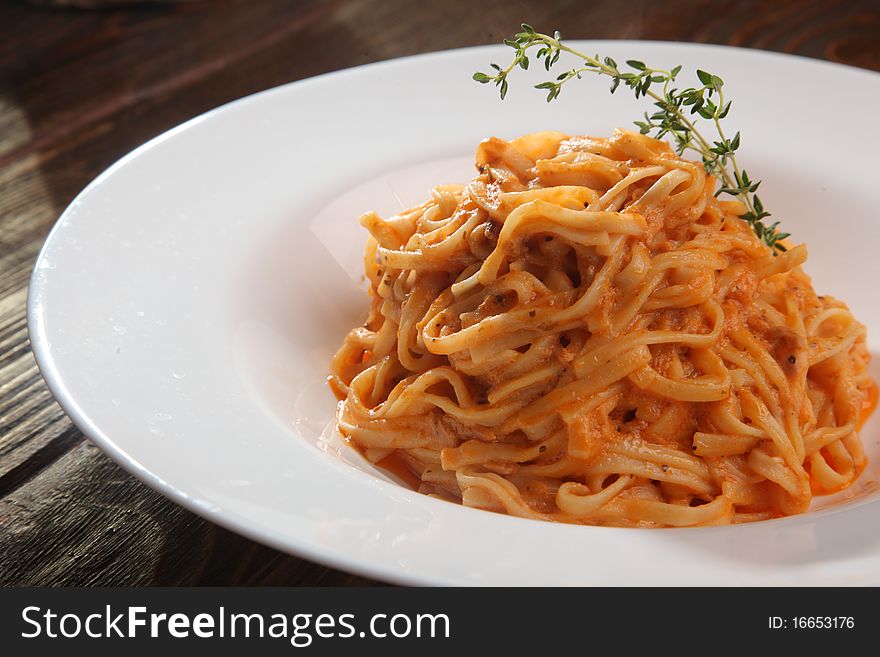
[586, 334]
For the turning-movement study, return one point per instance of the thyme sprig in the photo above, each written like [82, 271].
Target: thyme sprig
[675, 115]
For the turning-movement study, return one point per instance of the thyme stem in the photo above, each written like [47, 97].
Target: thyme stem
[673, 117]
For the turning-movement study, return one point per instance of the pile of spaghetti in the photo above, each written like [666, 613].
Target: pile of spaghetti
[586, 334]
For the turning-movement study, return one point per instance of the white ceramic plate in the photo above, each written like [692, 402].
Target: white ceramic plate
[185, 308]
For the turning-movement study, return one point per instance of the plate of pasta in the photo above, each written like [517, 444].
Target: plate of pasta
[447, 337]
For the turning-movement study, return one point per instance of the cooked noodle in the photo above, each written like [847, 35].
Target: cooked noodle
[586, 334]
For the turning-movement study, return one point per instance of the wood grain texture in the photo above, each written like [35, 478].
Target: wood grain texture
[79, 89]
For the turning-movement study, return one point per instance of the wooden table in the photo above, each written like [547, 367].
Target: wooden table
[79, 89]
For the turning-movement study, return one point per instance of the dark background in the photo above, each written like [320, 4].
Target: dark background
[80, 88]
